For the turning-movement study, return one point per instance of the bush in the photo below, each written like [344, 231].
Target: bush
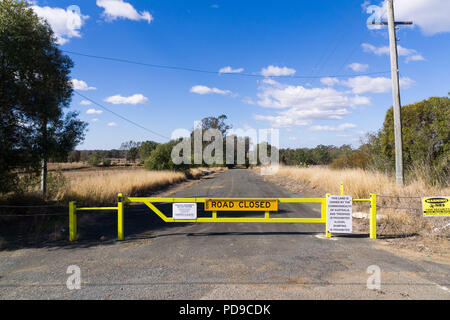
[94, 160]
[161, 159]
[352, 159]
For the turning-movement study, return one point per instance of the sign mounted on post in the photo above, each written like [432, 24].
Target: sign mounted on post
[241, 205]
[184, 211]
[340, 218]
[436, 206]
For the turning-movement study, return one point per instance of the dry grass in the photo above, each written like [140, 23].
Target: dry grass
[67, 166]
[358, 182]
[102, 187]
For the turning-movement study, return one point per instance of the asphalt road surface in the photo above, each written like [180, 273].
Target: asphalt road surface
[218, 261]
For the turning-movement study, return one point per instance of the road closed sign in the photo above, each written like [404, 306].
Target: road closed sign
[436, 206]
[340, 218]
[184, 211]
[241, 205]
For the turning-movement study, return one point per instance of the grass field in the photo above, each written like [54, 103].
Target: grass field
[102, 187]
[359, 183]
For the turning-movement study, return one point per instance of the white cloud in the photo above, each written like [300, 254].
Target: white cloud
[416, 57]
[340, 127]
[81, 85]
[112, 124]
[94, 111]
[432, 16]
[303, 98]
[230, 70]
[367, 47]
[365, 84]
[358, 67]
[85, 103]
[95, 120]
[303, 105]
[65, 23]
[274, 71]
[329, 81]
[134, 99]
[248, 100]
[298, 117]
[206, 90]
[116, 9]
[410, 54]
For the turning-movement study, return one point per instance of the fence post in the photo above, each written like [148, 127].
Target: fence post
[342, 188]
[120, 217]
[326, 215]
[373, 216]
[72, 221]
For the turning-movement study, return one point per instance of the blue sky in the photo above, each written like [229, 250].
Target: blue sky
[268, 45]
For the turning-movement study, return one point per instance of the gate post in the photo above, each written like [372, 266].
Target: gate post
[326, 215]
[72, 221]
[373, 216]
[120, 217]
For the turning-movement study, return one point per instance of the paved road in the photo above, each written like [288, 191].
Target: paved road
[217, 261]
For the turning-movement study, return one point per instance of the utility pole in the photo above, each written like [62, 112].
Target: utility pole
[399, 171]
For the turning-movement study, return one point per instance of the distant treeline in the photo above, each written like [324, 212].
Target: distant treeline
[130, 151]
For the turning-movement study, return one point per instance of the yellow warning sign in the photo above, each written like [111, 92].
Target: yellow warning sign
[436, 206]
[241, 205]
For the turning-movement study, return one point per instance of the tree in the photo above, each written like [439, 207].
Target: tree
[74, 156]
[35, 87]
[216, 123]
[132, 154]
[161, 158]
[426, 135]
[146, 149]
[129, 144]
[95, 159]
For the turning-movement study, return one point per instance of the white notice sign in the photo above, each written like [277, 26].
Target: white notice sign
[184, 211]
[340, 218]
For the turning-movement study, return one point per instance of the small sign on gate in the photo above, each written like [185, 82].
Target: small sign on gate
[184, 211]
[340, 218]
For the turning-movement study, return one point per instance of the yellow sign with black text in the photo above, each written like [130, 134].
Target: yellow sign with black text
[241, 205]
[436, 206]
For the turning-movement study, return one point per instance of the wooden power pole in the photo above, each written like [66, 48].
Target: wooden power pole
[391, 23]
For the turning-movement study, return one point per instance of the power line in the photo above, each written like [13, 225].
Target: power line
[121, 117]
[321, 62]
[254, 75]
[339, 32]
